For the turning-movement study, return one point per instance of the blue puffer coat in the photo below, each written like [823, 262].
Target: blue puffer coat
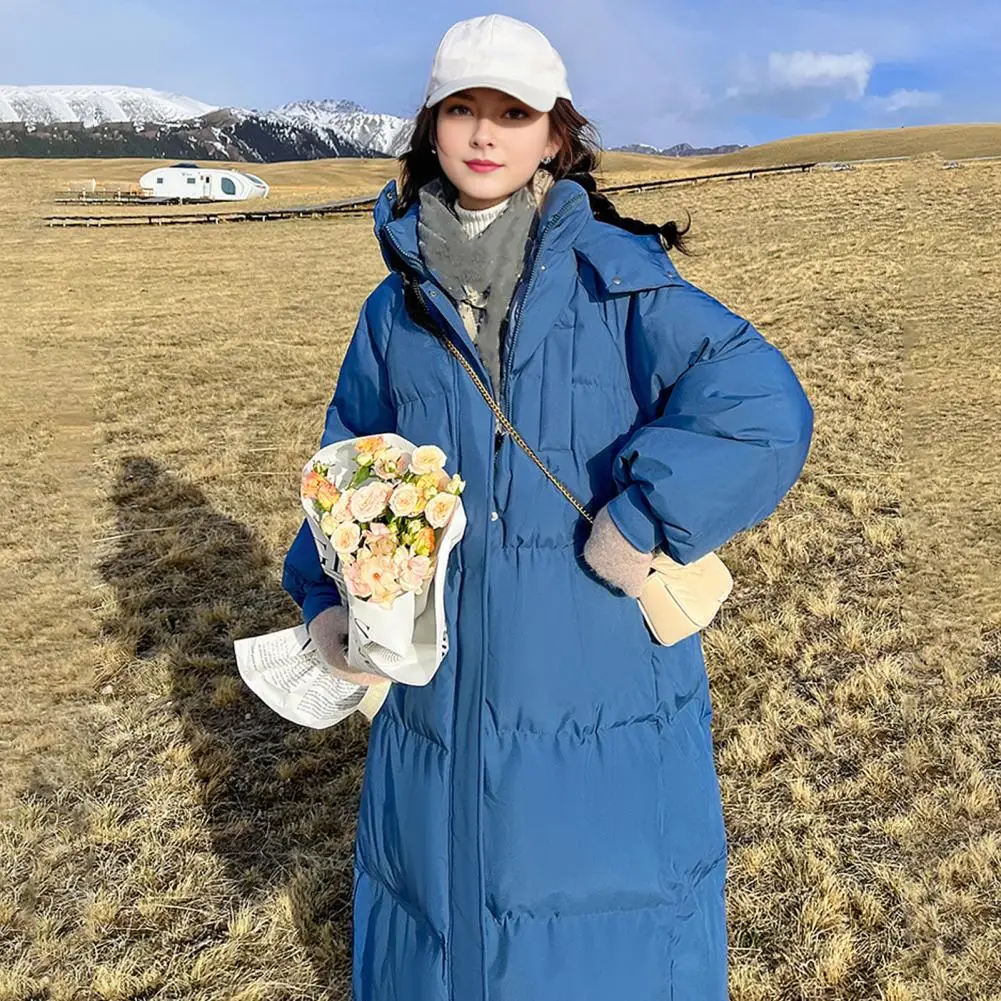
[542, 822]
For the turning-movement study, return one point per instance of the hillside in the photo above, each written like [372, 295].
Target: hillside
[951, 141]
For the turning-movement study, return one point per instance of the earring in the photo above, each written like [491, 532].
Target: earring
[433, 149]
[547, 159]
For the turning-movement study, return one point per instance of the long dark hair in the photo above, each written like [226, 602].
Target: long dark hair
[578, 157]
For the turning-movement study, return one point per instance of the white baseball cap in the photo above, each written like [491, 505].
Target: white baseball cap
[500, 52]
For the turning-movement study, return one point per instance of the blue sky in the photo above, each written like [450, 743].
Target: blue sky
[651, 71]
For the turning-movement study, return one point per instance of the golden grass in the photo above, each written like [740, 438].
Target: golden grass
[164, 835]
[318, 181]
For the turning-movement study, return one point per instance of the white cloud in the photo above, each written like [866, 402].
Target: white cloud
[906, 100]
[801, 84]
[794, 70]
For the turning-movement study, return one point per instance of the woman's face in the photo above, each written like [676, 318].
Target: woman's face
[483, 126]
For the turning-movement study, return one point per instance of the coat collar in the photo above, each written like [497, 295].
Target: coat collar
[564, 210]
[623, 261]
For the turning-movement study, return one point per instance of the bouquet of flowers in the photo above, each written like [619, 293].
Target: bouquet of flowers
[382, 525]
[384, 514]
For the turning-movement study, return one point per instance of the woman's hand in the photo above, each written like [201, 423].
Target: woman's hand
[329, 631]
[614, 559]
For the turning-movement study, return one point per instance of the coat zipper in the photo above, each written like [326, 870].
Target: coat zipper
[513, 326]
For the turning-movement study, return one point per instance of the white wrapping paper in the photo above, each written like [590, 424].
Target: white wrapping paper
[286, 671]
[404, 643]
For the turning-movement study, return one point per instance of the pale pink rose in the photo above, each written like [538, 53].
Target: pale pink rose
[427, 459]
[387, 464]
[353, 579]
[401, 560]
[385, 545]
[379, 575]
[439, 509]
[420, 565]
[380, 539]
[341, 510]
[370, 501]
[377, 572]
[346, 537]
[375, 533]
[413, 571]
[406, 501]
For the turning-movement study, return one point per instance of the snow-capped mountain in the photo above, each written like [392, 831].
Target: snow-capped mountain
[64, 121]
[386, 133]
[136, 121]
[223, 134]
[95, 105]
[681, 149]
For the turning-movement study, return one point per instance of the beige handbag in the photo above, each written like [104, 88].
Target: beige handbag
[678, 599]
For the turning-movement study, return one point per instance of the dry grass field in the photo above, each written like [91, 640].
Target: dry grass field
[311, 183]
[163, 835]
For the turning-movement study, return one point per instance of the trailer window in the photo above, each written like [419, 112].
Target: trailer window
[191, 180]
[228, 187]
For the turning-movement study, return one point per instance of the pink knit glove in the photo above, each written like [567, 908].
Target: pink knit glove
[329, 631]
[614, 559]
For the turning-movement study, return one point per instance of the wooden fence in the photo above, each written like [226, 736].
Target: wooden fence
[364, 205]
[354, 206]
[747, 172]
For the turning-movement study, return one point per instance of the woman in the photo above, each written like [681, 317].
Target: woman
[543, 819]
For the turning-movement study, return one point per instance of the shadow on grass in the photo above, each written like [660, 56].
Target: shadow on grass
[281, 800]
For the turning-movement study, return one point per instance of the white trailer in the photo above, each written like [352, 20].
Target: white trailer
[187, 182]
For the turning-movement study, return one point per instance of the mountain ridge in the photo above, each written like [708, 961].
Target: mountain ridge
[680, 149]
[117, 121]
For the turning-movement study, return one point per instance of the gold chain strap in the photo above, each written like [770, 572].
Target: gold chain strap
[512, 431]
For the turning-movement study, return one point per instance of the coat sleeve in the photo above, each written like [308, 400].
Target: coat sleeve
[361, 405]
[728, 425]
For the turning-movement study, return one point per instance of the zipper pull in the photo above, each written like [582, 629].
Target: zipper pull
[499, 434]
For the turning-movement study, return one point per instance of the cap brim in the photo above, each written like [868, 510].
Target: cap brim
[534, 97]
